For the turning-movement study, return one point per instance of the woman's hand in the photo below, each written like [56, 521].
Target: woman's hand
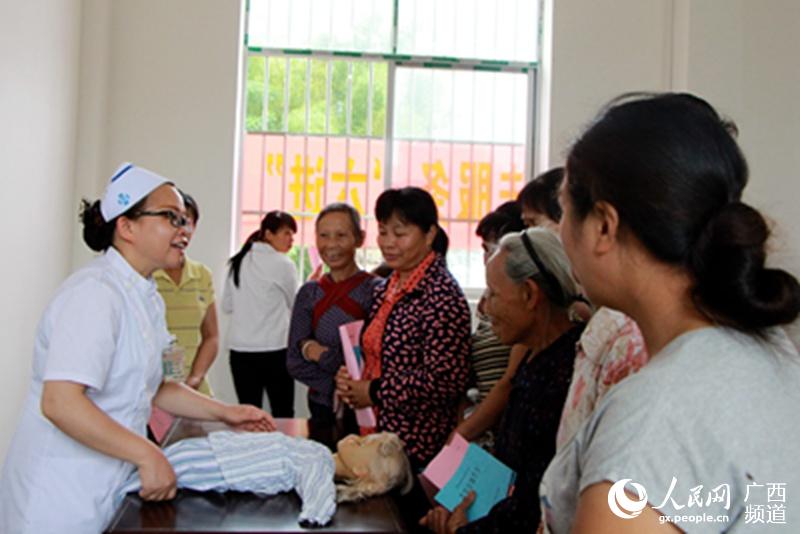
[156, 476]
[193, 381]
[441, 521]
[313, 350]
[247, 417]
[342, 380]
[354, 393]
[316, 274]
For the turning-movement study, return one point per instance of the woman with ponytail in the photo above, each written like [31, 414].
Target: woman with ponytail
[259, 294]
[416, 339]
[655, 227]
[97, 371]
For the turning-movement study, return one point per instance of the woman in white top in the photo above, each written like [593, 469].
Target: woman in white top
[701, 439]
[97, 368]
[259, 293]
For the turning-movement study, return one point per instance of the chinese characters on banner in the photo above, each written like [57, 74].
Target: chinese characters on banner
[304, 174]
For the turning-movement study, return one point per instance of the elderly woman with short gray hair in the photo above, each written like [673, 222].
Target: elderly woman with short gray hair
[530, 290]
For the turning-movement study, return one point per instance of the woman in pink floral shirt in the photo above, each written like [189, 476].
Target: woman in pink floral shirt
[610, 349]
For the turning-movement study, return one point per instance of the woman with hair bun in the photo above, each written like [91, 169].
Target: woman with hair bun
[655, 227]
[97, 370]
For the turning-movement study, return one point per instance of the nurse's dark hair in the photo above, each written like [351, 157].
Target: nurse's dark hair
[272, 221]
[416, 206]
[670, 166]
[97, 233]
[347, 209]
[541, 194]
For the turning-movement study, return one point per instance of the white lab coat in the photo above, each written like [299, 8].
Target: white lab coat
[105, 328]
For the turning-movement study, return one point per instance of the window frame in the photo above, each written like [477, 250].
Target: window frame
[393, 61]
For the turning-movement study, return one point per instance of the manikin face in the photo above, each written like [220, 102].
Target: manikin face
[281, 240]
[358, 453]
[337, 241]
[403, 245]
[156, 243]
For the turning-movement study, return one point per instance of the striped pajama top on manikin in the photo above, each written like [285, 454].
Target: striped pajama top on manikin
[261, 462]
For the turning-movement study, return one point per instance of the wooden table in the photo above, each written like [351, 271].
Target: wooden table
[212, 512]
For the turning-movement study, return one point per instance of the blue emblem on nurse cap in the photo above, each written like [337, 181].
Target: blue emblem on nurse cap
[123, 199]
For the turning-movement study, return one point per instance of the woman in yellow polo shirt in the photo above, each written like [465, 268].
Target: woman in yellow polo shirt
[188, 293]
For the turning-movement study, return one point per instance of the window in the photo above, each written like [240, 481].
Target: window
[347, 98]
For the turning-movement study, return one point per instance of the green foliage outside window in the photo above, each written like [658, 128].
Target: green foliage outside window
[296, 123]
[294, 255]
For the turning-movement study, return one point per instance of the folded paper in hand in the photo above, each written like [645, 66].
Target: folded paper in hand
[444, 465]
[462, 467]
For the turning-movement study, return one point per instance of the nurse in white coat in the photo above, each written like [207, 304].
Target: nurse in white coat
[97, 368]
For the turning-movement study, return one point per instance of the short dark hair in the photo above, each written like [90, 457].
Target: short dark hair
[412, 205]
[341, 207]
[670, 166]
[191, 206]
[506, 218]
[541, 194]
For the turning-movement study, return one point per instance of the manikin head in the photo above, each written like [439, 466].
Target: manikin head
[371, 465]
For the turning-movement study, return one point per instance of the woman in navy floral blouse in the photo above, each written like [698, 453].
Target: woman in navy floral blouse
[416, 340]
[342, 295]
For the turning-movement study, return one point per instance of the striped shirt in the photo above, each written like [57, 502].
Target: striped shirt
[488, 358]
[260, 462]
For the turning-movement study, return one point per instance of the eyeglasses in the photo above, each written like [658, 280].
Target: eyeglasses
[177, 220]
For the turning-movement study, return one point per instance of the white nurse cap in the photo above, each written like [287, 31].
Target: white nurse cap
[128, 185]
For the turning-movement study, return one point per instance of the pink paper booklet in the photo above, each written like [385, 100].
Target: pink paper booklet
[444, 465]
[160, 422]
[461, 467]
[350, 333]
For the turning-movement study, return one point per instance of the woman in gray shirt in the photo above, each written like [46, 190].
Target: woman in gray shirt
[654, 227]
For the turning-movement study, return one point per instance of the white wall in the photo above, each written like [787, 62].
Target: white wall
[162, 80]
[739, 55]
[38, 96]
[601, 49]
[158, 87]
[769, 118]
